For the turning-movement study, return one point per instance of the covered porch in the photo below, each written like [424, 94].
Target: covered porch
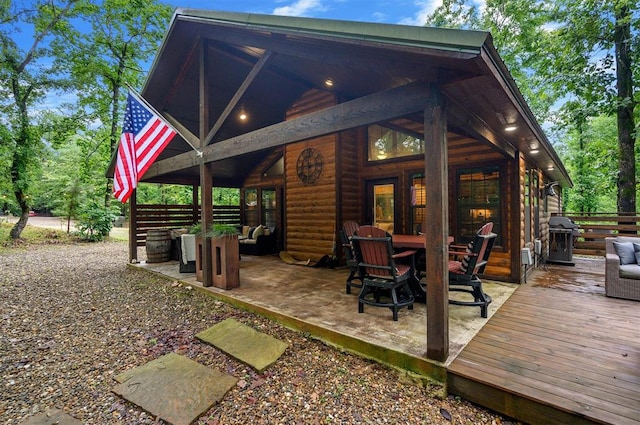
[322, 113]
[554, 350]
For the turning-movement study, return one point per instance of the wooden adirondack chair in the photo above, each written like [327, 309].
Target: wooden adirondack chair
[463, 274]
[384, 282]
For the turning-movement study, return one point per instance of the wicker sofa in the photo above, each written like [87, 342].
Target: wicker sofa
[257, 240]
[622, 275]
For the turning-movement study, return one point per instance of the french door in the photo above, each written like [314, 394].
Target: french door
[382, 203]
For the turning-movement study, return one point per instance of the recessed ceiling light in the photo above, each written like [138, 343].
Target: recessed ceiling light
[534, 151]
[242, 116]
[328, 82]
[511, 127]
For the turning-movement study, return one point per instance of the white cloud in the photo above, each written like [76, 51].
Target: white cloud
[424, 9]
[300, 8]
[427, 7]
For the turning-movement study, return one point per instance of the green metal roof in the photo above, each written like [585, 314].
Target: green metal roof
[464, 41]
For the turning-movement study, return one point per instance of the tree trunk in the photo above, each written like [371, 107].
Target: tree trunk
[625, 107]
[17, 229]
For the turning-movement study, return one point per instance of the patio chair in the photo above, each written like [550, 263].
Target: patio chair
[354, 270]
[463, 275]
[350, 227]
[384, 282]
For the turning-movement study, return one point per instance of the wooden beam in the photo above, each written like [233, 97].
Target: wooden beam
[133, 226]
[206, 173]
[471, 124]
[381, 106]
[437, 227]
[237, 96]
[183, 131]
[182, 73]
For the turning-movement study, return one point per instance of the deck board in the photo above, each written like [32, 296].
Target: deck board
[557, 351]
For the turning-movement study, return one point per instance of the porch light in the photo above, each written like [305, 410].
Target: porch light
[511, 127]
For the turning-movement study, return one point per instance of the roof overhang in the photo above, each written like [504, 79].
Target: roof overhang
[361, 59]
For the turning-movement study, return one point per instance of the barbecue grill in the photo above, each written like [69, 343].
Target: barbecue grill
[563, 233]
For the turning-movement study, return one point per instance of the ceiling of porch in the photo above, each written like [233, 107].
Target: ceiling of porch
[359, 58]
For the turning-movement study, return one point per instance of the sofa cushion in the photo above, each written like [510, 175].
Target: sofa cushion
[248, 241]
[636, 249]
[245, 231]
[630, 271]
[258, 231]
[626, 252]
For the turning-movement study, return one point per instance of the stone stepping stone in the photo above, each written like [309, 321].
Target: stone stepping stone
[244, 343]
[52, 417]
[174, 388]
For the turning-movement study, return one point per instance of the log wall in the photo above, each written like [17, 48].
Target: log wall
[311, 209]
[314, 212]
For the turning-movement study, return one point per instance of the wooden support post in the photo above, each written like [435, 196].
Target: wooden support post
[133, 227]
[437, 227]
[194, 202]
[206, 174]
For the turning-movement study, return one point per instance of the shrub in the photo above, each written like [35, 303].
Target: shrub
[95, 222]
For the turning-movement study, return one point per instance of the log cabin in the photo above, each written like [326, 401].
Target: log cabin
[417, 130]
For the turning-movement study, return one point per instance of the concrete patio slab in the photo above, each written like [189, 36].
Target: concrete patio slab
[244, 343]
[174, 388]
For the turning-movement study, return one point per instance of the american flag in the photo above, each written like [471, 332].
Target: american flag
[144, 136]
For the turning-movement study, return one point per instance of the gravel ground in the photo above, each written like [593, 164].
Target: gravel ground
[75, 316]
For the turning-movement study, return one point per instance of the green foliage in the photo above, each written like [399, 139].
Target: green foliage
[95, 222]
[591, 159]
[226, 196]
[164, 194]
[563, 56]
[195, 229]
[221, 230]
[31, 236]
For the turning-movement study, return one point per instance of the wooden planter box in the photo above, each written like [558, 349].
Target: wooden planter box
[225, 259]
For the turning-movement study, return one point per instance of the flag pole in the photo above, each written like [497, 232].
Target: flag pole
[148, 105]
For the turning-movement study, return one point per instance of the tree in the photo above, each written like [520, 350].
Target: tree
[519, 35]
[25, 79]
[593, 59]
[124, 35]
[579, 52]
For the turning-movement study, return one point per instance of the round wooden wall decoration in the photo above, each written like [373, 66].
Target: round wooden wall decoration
[309, 165]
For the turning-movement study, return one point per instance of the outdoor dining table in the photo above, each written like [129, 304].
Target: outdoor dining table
[412, 241]
[417, 243]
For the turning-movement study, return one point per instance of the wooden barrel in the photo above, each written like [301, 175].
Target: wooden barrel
[158, 245]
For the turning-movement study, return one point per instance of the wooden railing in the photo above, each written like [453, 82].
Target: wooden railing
[594, 227]
[178, 217]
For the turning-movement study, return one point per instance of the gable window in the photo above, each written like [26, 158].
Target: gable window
[276, 169]
[386, 143]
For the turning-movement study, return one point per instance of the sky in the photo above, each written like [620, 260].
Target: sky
[406, 12]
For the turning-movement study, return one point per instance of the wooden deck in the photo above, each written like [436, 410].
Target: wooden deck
[557, 351]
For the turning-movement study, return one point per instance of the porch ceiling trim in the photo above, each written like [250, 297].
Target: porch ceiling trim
[473, 125]
[359, 112]
[494, 65]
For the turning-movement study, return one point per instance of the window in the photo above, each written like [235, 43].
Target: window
[418, 203]
[276, 169]
[385, 143]
[478, 194]
[269, 207]
[251, 207]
